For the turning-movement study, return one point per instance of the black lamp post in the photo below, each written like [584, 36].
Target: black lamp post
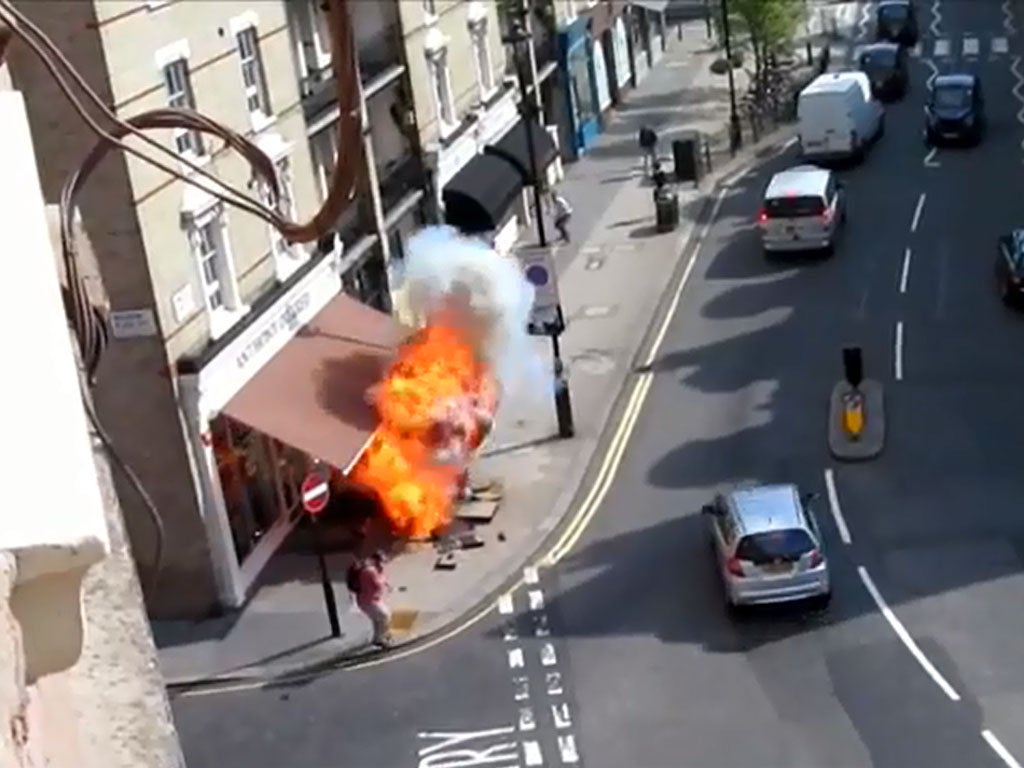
[519, 37]
[735, 133]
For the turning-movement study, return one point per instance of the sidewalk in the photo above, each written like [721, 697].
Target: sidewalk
[283, 630]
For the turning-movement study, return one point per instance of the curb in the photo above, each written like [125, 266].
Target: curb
[584, 464]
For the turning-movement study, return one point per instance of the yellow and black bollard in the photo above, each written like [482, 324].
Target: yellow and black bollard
[853, 414]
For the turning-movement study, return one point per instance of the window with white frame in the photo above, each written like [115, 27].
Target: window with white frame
[210, 254]
[570, 9]
[180, 96]
[254, 79]
[441, 87]
[482, 57]
[285, 205]
[324, 150]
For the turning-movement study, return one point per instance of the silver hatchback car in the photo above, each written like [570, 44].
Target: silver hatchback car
[768, 546]
[804, 209]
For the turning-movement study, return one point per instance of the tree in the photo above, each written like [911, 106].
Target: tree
[769, 25]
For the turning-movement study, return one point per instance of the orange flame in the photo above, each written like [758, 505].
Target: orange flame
[434, 404]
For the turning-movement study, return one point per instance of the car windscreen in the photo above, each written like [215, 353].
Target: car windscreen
[892, 13]
[793, 207]
[768, 546]
[878, 59]
[951, 97]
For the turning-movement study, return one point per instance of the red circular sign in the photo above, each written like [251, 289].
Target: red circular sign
[315, 492]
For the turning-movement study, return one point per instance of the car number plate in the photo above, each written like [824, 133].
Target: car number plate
[949, 134]
[778, 567]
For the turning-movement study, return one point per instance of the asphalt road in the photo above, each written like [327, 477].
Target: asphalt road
[634, 661]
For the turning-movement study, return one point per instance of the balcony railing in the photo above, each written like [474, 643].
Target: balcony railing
[398, 179]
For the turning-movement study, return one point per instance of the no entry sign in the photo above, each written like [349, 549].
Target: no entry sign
[315, 492]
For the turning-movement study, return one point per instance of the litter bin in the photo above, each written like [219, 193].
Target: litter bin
[666, 210]
[686, 155]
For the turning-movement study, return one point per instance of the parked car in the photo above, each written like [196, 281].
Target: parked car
[804, 209]
[838, 117]
[885, 64]
[768, 546]
[955, 110]
[1010, 268]
[896, 21]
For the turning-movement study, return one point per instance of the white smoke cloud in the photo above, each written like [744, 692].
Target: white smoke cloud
[443, 267]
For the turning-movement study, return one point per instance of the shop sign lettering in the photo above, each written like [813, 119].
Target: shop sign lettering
[289, 319]
[467, 749]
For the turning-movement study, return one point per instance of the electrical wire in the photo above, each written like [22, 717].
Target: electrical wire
[90, 323]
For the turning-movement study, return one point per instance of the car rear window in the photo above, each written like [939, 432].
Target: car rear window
[881, 59]
[953, 96]
[787, 544]
[793, 207]
[893, 12]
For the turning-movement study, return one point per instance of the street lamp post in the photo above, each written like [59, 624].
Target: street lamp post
[519, 37]
[735, 133]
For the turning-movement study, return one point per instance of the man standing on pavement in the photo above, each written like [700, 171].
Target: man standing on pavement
[648, 147]
[371, 585]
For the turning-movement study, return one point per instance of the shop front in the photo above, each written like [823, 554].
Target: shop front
[647, 36]
[287, 391]
[619, 41]
[575, 62]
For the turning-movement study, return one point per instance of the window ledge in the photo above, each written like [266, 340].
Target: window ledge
[261, 122]
[223, 320]
[446, 130]
[53, 520]
[286, 266]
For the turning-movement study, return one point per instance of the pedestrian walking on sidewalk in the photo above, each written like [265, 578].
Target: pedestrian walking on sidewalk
[563, 213]
[648, 140]
[367, 580]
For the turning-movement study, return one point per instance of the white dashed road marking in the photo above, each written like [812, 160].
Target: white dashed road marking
[530, 575]
[532, 753]
[999, 749]
[941, 48]
[833, 505]
[917, 212]
[904, 635]
[971, 46]
[898, 352]
[1000, 45]
[905, 272]
[505, 604]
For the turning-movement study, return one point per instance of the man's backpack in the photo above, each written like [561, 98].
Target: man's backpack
[352, 578]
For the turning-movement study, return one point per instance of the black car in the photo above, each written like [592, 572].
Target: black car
[1010, 267]
[885, 64]
[896, 22]
[955, 112]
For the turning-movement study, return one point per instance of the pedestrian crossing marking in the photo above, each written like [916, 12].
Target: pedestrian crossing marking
[532, 753]
[1000, 45]
[971, 46]
[942, 48]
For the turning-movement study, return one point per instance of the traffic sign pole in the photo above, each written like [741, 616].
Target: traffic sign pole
[316, 491]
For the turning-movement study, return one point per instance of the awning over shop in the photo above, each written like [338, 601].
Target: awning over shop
[478, 196]
[514, 148]
[312, 394]
[658, 6]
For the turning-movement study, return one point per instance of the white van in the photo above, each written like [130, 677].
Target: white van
[838, 117]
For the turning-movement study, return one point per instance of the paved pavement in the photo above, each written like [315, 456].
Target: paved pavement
[916, 663]
[284, 626]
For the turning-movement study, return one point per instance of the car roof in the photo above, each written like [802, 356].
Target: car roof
[959, 78]
[766, 508]
[799, 181]
[894, 2]
[835, 82]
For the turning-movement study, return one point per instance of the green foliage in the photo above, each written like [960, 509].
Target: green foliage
[769, 24]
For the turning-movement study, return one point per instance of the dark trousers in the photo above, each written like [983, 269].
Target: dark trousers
[562, 225]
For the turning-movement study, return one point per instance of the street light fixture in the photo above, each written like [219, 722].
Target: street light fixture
[518, 37]
[735, 132]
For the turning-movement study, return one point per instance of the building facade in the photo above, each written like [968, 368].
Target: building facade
[205, 299]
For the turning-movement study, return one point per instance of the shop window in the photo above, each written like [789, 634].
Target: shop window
[178, 82]
[579, 81]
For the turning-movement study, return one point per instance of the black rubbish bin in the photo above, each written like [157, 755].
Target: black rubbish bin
[686, 155]
[666, 210]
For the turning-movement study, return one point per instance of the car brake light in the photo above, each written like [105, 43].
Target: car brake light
[816, 558]
[762, 216]
[826, 216]
[734, 566]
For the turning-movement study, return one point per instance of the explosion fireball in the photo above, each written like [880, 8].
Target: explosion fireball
[437, 401]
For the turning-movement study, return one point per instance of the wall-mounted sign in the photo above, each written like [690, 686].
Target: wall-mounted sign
[133, 323]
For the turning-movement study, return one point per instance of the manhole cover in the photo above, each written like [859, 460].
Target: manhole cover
[593, 363]
[597, 310]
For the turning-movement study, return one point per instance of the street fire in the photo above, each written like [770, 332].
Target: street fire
[435, 406]
[437, 401]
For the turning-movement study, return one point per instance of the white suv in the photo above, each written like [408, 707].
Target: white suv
[804, 209]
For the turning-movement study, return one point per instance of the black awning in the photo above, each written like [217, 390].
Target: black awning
[480, 194]
[514, 148]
